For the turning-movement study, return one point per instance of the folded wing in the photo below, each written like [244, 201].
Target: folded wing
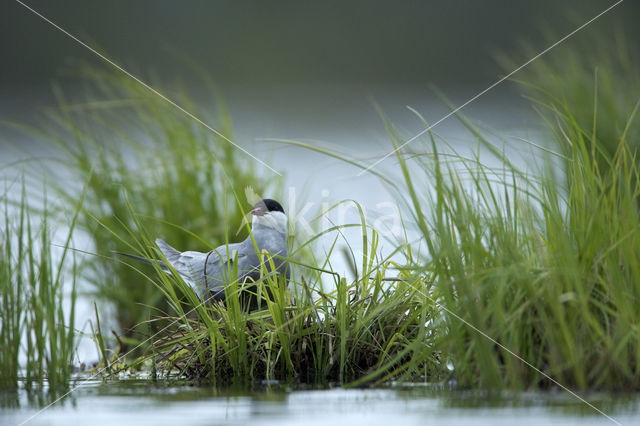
[204, 272]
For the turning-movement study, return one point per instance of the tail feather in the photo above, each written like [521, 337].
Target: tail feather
[143, 260]
[169, 252]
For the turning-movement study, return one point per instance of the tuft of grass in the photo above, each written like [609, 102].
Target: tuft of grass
[531, 267]
[367, 330]
[543, 266]
[37, 315]
[534, 272]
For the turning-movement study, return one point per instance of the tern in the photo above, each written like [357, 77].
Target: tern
[209, 273]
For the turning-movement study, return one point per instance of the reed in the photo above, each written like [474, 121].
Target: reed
[38, 294]
[543, 266]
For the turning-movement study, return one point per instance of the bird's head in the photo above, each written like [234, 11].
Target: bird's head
[270, 214]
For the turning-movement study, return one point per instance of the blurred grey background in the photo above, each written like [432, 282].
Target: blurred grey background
[280, 43]
[303, 69]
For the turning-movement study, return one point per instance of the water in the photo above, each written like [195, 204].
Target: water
[142, 403]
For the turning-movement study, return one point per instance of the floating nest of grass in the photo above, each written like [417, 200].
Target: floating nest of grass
[342, 338]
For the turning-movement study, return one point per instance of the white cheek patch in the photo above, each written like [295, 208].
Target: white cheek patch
[273, 220]
[277, 221]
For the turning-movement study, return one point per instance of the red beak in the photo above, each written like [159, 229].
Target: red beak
[257, 212]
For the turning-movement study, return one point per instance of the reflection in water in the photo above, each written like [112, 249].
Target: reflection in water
[143, 403]
[21, 396]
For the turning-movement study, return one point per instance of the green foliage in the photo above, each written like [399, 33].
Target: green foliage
[592, 80]
[537, 269]
[541, 266]
[36, 315]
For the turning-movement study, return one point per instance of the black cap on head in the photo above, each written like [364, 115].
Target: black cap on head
[271, 205]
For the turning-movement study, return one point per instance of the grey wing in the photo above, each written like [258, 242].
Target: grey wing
[250, 264]
[216, 267]
[189, 264]
[204, 272]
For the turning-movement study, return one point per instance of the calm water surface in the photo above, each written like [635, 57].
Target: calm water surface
[141, 403]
